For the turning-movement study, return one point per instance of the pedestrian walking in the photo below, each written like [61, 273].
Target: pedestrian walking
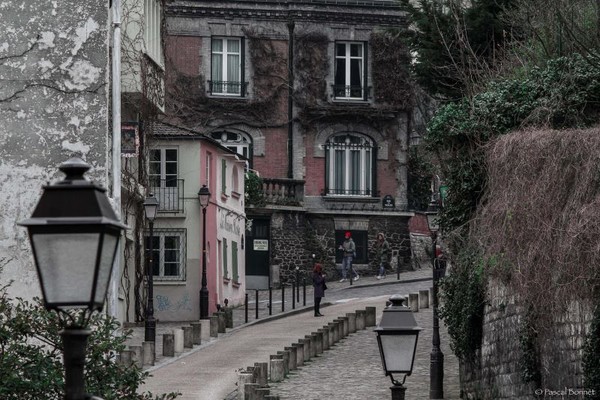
[382, 254]
[349, 249]
[319, 287]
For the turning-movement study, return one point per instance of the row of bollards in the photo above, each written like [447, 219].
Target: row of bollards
[177, 341]
[422, 299]
[253, 381]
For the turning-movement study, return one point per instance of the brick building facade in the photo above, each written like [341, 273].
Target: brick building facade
[315, 95]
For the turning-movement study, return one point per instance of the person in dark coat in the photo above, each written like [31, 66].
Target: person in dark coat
[319, 287]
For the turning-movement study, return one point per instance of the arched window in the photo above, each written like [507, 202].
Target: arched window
[236, 141]
[349, 165]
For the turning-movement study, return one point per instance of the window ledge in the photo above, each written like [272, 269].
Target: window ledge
[360, 102]
[353, 199]
[168, 283]
[226, 280]
[229, 97]
[235, 195]
[224, 196]
[236, 284]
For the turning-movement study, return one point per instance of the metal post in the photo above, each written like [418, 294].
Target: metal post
[282, 297]
[298, 285]
[149, 321]
[436, 385]
[293, 296]
[246, 309]
[270, 300]
[204, 289]
[303, 291]
[74, 344]
[398, 392]
[256, 316]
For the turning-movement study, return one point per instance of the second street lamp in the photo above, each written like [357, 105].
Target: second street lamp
[204, 198]
[150, 208]
[436, 384]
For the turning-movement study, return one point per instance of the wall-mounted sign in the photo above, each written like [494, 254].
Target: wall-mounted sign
[261, 244]
[388, 202]
[129, 140]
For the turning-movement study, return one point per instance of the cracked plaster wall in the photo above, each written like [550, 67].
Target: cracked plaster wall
[53, 105]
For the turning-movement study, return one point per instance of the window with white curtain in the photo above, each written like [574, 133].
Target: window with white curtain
[349, 70]
[227, 66]
[152, 37]
[349, 165]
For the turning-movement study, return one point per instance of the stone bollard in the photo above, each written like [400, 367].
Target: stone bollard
[431, 296]
[413, 302]
[178, 340]
[333, 332]
[325, 333]
[330, 334]
[299, 353]
[250, 391]
[424, 298]
[371, 316]
[318, 342]
[188, 338]
[168, 345]
[262, 393]
[277, 369]
[137, 356]
[148, 352]
[221, 322]
[306, 348]
[351, 322]
[313, 345]
[228, 317]
[214, 326]
[125, 357]
[196, 332]
[286, 361]
[262, 376]
[339, 326]
[293, 361]
[360, 320]
[243, 378]
[345, 325]
[272, 397]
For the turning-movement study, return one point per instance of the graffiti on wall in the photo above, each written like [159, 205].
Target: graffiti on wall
[165, 303]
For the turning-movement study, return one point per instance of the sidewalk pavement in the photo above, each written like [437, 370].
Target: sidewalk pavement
[209, 371]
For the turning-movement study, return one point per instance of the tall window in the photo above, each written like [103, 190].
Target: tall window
[225, 249]
[163, 179]
[152, 37]
[227, 67]
[223, 176]
[349, 165]
[350, 64]
[234, 261]
[169, 253]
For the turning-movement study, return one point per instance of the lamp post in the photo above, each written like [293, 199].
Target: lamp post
[397, 336]
[204, 197]
[150, 208]
[436, 384]
[74, 235]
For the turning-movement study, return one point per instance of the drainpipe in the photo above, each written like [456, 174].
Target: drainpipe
[290, 99]
[113, 297]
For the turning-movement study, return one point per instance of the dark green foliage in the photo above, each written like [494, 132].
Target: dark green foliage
[454, 43]
[31, 356]
[566, 93]
[420, 172]
[253, 188]
[462, 303]
[591, 360]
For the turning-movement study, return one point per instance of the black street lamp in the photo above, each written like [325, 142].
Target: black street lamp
[436, 384]
[397, 336]
[150, 209]
[74, 235]
[204, 197]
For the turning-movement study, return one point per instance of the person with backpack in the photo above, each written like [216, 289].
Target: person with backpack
[382, 254]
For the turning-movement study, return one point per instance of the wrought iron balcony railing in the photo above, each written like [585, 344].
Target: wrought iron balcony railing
[352, 92]
[227, 88]
[349, 192]
[169, 193]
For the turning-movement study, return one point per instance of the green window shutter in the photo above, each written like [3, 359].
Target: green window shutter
[223, 176]
[234, 261]
[225, 273]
